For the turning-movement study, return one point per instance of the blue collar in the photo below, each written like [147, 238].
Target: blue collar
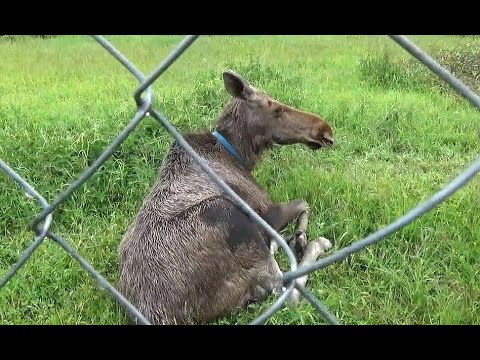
[228, 146]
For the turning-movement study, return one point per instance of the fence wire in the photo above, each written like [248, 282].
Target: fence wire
[144, 108]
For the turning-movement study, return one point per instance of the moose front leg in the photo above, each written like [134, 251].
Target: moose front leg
[314, 250]
[298, 242]
[280, 215]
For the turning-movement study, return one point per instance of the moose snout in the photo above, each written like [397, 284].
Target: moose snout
[328, 140]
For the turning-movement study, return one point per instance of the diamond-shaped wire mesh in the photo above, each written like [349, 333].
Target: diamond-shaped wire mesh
[144, 108]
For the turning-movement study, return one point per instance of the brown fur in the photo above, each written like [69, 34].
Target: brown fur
[190, 255]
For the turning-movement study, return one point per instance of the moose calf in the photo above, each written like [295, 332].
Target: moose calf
[190, 255]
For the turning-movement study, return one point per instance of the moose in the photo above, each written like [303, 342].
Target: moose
[190, 255]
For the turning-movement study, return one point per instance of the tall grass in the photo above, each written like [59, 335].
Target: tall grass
[400, 137]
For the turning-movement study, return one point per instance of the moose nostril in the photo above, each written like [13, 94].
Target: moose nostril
[327, 138]
[329, 141]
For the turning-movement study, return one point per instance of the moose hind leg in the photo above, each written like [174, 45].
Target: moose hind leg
[268, 280]
[252, 272]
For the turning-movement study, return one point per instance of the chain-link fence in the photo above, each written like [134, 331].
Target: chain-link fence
[143, 98]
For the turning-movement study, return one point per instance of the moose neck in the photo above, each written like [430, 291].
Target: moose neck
[236, 125]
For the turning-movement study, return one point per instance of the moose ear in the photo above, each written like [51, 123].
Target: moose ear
[236, 86]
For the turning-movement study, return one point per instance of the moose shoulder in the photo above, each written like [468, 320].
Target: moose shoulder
[190, 255]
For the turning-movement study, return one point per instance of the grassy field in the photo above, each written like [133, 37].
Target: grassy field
[400, 137]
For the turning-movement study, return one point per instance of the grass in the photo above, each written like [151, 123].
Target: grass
[400, 137]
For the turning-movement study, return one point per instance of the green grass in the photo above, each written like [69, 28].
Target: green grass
[399, 139]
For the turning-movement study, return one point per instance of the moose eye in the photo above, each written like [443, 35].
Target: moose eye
[278, 111]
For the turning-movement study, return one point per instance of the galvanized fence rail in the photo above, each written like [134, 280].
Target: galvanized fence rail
[40, 225]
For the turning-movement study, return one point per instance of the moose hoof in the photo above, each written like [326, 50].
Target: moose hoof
[259, 293]
[316, 248]
[325, 243]
[298, 243]
[294, 299]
